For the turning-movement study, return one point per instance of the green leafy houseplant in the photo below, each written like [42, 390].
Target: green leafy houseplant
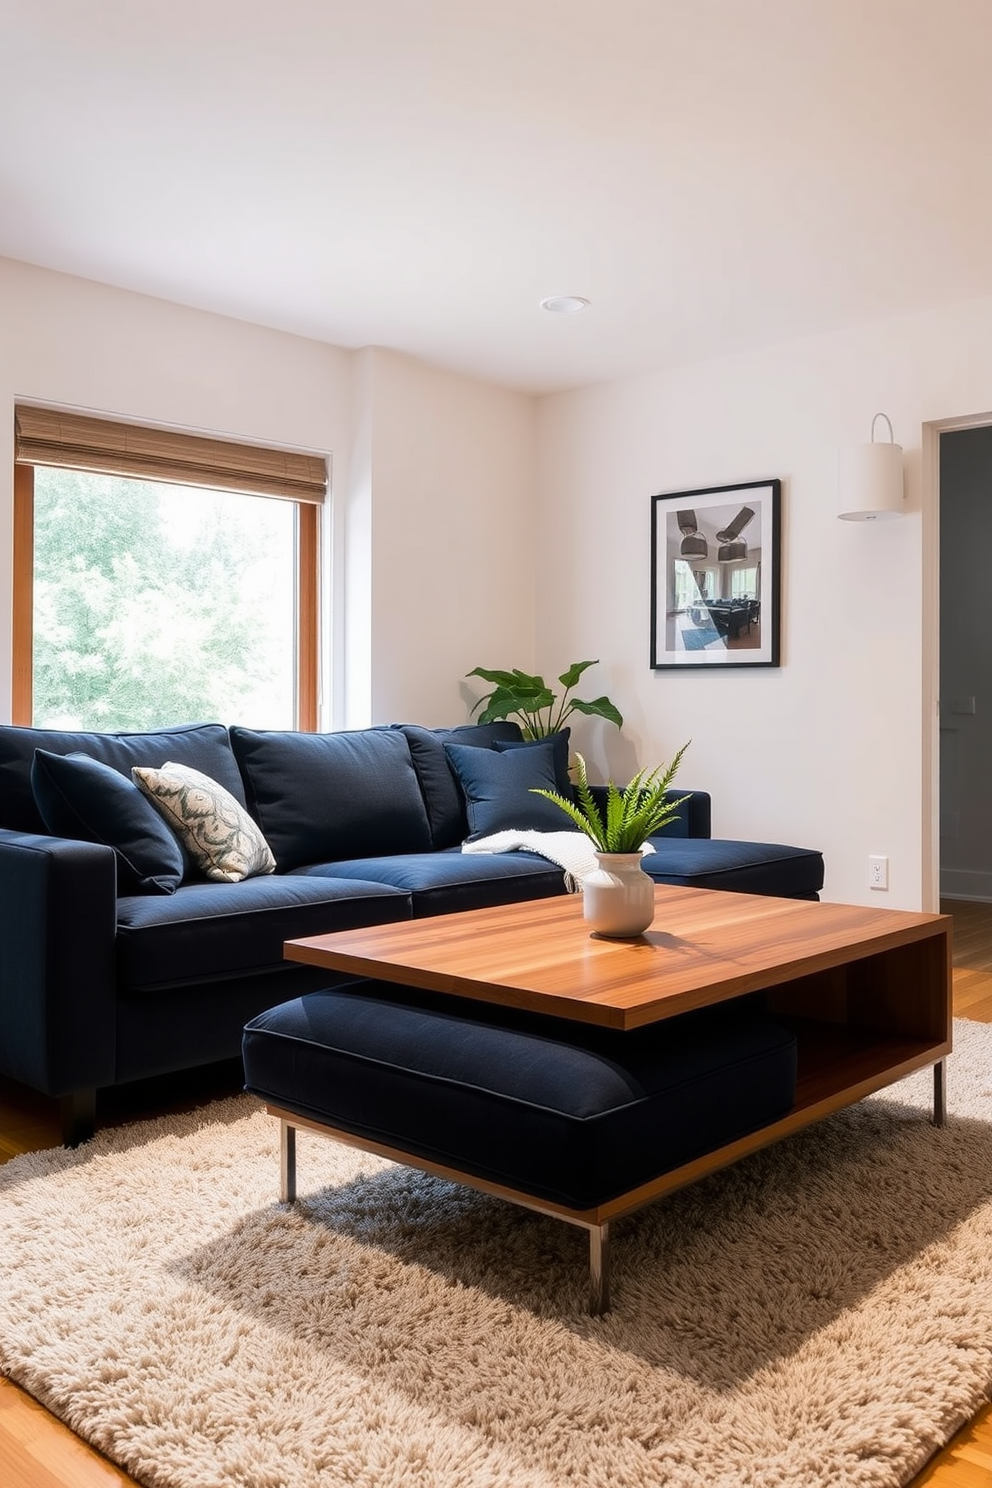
[630, 815]
[540, 710]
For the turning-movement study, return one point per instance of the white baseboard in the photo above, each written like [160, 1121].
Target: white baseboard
[966, 883]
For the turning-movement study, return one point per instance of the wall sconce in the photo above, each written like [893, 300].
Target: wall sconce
[870, 479]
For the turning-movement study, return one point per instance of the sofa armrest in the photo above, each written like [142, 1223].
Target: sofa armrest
[58, 923]
[691, 820]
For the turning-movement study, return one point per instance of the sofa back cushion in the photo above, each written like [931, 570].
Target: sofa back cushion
[204, 746]
[321, 797]
[443, 794]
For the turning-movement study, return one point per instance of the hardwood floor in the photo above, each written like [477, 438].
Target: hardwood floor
[972, 932]
[37, 1451]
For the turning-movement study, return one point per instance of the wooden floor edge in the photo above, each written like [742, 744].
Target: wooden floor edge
[37, 1450]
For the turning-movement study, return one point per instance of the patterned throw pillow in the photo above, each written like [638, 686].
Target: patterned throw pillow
[219, 835]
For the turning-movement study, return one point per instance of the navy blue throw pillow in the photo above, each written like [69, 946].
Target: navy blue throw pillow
[560, 743]
[498, 788]
[81, 798]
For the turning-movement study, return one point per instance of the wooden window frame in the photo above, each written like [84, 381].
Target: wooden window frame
[307, 605]
[22, 675]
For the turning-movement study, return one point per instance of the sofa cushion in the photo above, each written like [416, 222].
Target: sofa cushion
[209, 931]
[559, 742]
[217, 833]
[499, 789]
[442, 793]
[320, 797]
[205, 746]
[443, 882]
[743, 867]
[557, 1109]
[81, 798]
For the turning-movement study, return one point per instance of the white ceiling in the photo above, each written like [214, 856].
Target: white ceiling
[711, 174]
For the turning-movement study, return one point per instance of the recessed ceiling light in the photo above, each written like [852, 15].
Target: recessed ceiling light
[564, 304]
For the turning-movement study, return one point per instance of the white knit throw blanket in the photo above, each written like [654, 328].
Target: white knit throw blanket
[572, 851]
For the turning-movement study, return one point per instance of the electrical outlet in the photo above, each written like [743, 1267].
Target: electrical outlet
[878, 872]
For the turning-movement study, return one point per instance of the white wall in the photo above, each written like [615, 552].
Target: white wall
[452, 467]
[435, 533]
[428, 552]
[828, 750]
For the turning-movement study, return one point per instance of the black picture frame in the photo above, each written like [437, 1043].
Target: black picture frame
[715, 568]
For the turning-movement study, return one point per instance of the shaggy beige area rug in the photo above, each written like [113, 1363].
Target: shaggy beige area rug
[821, 1314]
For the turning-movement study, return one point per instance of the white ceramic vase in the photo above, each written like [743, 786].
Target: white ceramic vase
[618, 896]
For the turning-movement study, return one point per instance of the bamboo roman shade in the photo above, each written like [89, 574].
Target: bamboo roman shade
[46, 436]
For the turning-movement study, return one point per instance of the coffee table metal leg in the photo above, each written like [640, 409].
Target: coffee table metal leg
[599, 1269]
[599, 1235]
[287, 1163]
[940, 1093]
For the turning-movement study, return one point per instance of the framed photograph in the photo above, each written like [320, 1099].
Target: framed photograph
[715, 576]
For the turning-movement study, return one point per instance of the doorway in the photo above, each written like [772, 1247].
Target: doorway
[965, 664]
[958, 537]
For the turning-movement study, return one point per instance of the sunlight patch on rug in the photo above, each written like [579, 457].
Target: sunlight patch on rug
[820, 1314]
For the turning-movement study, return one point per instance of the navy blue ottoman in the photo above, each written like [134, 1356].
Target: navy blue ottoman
[742, 867]
[564, 1117]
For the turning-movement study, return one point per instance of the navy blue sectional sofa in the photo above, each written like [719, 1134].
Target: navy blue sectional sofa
[108, 977]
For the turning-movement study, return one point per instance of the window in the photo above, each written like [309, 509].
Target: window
[744, 583]
[161, 578]
[692, 584]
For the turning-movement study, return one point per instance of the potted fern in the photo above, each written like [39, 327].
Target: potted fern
[618, 896]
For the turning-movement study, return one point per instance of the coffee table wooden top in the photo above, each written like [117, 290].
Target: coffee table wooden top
[705, 946]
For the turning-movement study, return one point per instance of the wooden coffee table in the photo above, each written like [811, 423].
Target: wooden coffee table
[866, 991]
